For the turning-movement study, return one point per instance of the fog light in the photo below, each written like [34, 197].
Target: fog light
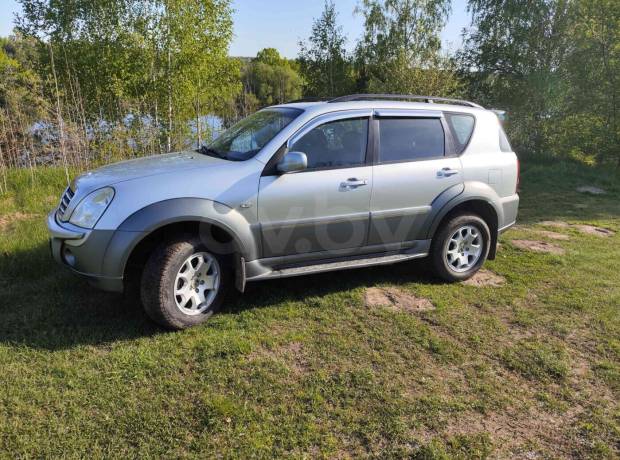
[68, 256]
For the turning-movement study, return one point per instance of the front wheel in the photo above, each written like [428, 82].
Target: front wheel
[460, 247]
[183, 283]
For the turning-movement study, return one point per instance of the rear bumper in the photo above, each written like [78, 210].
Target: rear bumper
[506, 227]
[82, 251]
[510, 208]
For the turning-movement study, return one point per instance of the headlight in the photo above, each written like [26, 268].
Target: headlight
[91, 208]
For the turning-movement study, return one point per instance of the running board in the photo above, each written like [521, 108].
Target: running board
[337, 265]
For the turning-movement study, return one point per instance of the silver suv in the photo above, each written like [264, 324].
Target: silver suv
[294, 189]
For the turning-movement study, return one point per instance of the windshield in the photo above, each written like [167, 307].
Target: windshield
[244, 139]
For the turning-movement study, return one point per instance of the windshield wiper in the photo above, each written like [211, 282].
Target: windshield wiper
[211, 152]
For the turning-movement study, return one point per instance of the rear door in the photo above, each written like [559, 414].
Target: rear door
[414, 164]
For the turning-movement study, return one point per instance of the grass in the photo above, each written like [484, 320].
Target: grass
[302, 368]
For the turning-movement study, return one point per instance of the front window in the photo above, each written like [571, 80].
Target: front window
[245, 139]
[340, 143]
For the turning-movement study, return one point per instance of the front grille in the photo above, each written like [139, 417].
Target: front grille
[64, 203]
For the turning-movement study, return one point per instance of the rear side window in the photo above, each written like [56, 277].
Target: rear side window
[462, 126]
[410, 139]
[504, 145]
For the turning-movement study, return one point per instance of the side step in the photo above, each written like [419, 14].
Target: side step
[337, 265]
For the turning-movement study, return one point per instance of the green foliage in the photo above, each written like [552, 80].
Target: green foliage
[109, 79]
[20, 84]
[324, 62]
[267, 79]
[272, 78]
[553, 64]
[165, 59]
[400, 48]
[592, 68]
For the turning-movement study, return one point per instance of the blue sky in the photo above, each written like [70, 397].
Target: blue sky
[282, 23]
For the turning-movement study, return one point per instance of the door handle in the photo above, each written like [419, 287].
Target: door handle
[446, 172]
[353, 183]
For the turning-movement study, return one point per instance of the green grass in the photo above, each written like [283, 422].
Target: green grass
[302, 368]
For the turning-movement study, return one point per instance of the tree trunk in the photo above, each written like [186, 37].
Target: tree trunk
[198, 130]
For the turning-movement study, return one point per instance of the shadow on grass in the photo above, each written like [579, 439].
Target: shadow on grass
[44, 306]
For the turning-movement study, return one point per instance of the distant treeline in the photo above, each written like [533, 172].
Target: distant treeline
[91, 81]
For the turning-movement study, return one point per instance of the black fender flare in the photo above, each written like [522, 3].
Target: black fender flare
[158, 215]
[471, 191]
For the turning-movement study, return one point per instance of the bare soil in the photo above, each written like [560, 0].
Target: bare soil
[592, 230]
[538, 246]
[396, 299]
[485, 278]
[583, 228]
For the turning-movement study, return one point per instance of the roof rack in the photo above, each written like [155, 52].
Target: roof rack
[310, 99]
[427, 99]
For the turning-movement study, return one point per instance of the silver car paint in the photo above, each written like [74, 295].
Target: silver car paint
[227, 182]
[235, 194]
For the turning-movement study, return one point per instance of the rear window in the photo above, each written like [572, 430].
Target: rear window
[462, 126]
[410, 139]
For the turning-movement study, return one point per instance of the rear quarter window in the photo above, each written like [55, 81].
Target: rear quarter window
[462, 127]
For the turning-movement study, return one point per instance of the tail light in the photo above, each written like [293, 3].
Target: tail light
[518, 176]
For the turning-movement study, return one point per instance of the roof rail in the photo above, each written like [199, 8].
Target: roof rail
[427, 99]
[310, 99]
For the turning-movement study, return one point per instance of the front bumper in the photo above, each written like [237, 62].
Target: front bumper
[83, 252]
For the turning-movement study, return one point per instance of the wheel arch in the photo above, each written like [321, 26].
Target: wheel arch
[213, 221]
[479, 199]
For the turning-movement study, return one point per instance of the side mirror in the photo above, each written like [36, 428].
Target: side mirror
[292, 161]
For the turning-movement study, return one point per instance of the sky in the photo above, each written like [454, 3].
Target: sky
[281, 24]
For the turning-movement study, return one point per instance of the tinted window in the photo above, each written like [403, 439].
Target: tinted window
[462, 126]
[338, 143]
[403, 139]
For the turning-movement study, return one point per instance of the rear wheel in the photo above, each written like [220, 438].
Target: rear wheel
[183, 283]
[460, 247]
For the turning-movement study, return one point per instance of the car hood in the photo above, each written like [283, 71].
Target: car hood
[143, 167]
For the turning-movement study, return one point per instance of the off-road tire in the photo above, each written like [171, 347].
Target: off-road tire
[158, 278]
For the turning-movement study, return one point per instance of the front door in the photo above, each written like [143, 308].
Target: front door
[411, 170]
[326, 206]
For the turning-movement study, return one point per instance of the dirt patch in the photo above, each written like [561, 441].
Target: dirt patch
[583, 228]
[553, 235]
[555, 223]
[485, 278]
[8, 219]
[591, 190]
[538, 246]
[592, 230]
[396, 299]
